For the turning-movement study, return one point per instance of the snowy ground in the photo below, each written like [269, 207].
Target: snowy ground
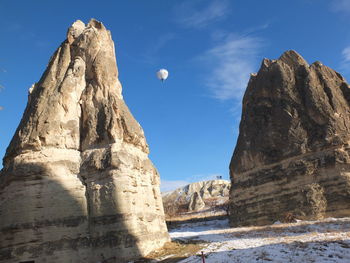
[306, 241]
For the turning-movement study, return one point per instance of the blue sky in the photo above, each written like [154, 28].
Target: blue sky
[209, 47]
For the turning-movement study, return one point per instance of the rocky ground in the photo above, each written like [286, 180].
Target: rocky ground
[325, 240]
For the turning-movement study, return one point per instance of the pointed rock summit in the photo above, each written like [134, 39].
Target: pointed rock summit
[292, 156]
[77, 184]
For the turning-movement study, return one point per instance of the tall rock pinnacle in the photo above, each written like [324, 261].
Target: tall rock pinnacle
[77, 184]
[292, 155]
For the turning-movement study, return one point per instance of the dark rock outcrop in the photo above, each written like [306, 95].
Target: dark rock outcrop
[292, 154]
[77, 184]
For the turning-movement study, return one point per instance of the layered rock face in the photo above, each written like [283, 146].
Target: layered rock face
[77, 184]
[292, 154]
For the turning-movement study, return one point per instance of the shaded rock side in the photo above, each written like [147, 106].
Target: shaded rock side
[77, 184]
[292, 153]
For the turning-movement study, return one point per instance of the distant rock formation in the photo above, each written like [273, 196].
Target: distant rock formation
[196, 202]
[77, 184]
[192, 197]
[292, 154]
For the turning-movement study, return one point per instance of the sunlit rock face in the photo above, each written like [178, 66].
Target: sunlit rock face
[77, 184]
[193, 196]
[292, 154]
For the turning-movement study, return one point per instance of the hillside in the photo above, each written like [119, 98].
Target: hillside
[199, 197]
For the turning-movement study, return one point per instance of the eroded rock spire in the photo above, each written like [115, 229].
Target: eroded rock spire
[77, 184]
[293, 155]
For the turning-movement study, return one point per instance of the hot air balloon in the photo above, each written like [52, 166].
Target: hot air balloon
[162, 74]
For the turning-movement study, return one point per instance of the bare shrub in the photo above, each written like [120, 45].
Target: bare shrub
[173, 209]
[289, 218]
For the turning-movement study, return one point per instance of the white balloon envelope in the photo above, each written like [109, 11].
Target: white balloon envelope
[162, 74]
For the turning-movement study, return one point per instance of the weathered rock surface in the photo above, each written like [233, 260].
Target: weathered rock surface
[196, 202]
[292, 154]
[77, 184]
[194, 196]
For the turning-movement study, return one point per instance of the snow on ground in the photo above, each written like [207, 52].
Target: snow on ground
[305, 241]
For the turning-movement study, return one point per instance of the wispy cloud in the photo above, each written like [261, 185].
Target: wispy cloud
[230, 63]
[199, 14]
[151, 55]
[340, 5]
[345, 61]
[257, 28]
[346, 54]
[1, 88]
[168, 185]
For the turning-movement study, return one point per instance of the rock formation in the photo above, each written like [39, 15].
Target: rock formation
[77, 184]
[196, 202]
[292, 154]
[194, 196]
